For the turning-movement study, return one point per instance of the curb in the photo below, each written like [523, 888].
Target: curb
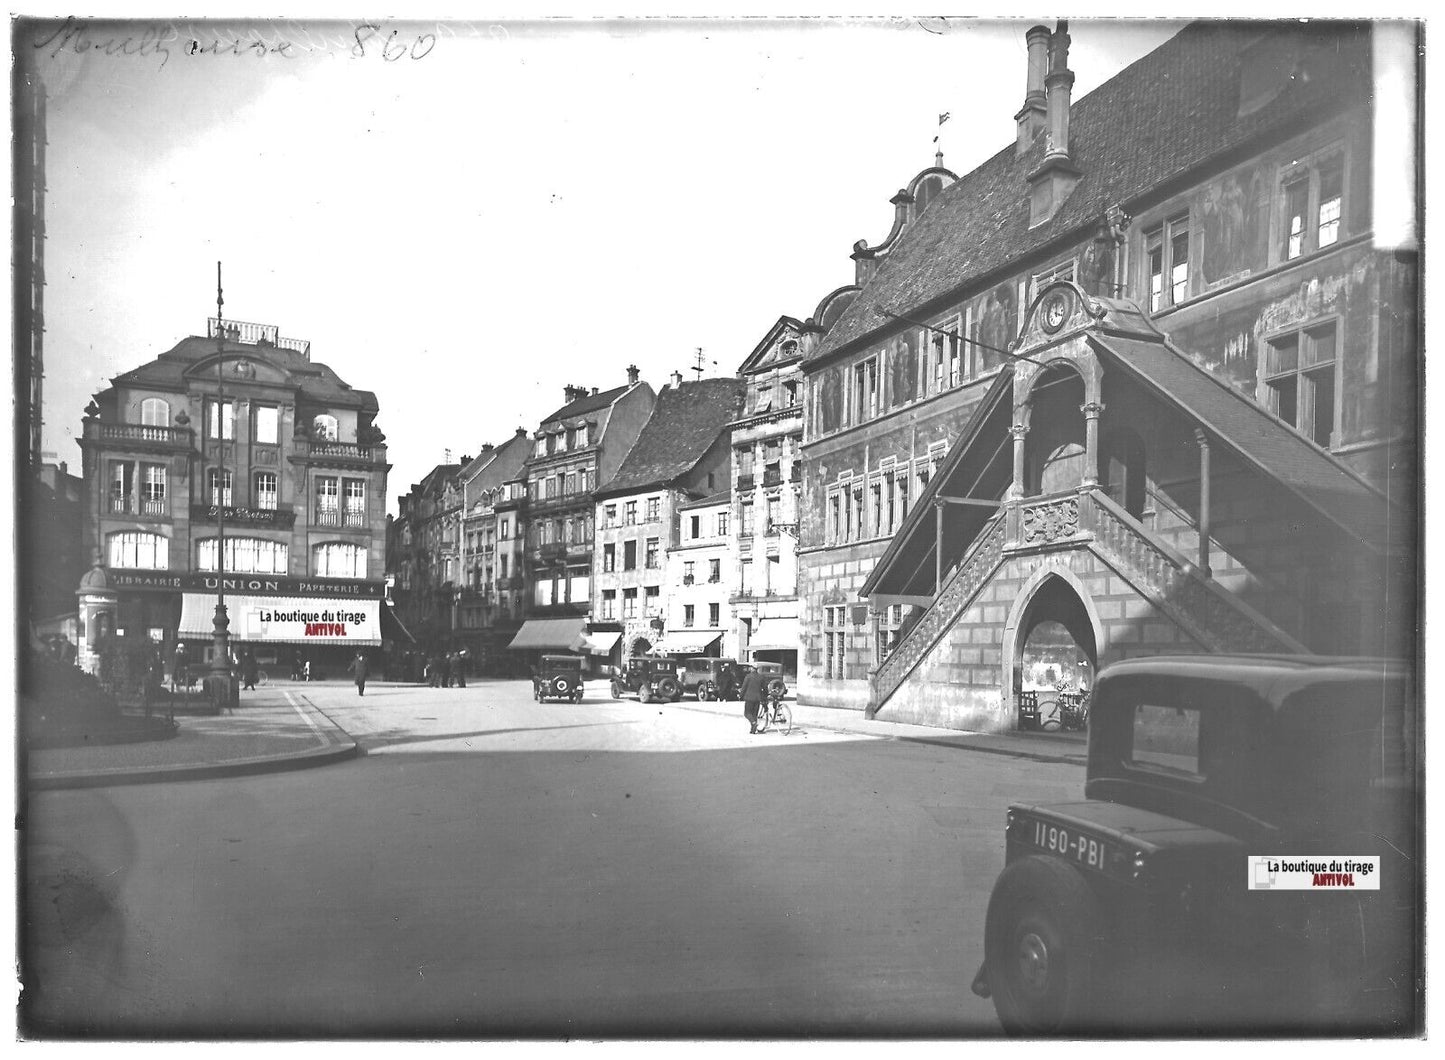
[342, 748]
[1079, 759]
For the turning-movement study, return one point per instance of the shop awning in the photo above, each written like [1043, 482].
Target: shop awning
[775, 634]
[392, 627]
[599, 643]
[540, 634]
[684, 642]
[313, 620]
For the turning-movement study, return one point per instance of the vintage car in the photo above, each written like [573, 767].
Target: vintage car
[559, 677]
[707, 678]
[1142, 908]
[771, 671]
[649, 676]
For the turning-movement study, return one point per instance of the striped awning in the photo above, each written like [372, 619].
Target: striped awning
[314, 620]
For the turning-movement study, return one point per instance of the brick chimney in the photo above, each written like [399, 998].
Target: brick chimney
[521, 432]
[677, 379]
[1033, 117]
[1053, 182]
[632, 374]
[574, 392]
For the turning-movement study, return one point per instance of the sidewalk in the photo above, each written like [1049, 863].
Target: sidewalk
[1067, 747]
[274, 729]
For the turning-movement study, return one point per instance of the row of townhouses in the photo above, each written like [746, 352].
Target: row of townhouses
[1144, 381]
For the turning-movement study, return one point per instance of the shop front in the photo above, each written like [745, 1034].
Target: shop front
[284, 622]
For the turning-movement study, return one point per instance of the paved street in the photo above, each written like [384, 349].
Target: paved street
[494, 866]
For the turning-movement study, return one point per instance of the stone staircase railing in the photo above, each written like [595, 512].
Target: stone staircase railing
[1212, 615]
[977, 566]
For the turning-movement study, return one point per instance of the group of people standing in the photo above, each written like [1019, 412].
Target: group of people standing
[445, 669]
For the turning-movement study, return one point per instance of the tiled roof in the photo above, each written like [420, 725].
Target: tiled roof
[316, 381]
[498, 465]
[590, 403]
[1169, 112]
[685, 422]
[717, 498]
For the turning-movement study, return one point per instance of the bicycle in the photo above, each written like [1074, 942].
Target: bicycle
[1068, 711]
[774, 713]
[262, 678]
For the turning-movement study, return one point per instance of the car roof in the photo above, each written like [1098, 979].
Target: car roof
[1274, 678]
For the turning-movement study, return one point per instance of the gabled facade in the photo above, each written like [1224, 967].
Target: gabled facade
[767, 483]
[681, 455]
[577, 447]
[238, 425]
[1153, 387]
[492, 606]
[425, 561]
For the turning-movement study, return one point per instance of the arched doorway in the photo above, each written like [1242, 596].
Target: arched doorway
[1054, 451]
[1055, 648]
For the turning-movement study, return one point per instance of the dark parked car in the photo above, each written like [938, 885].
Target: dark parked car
[708, 678]
[1142, 908]
[649, 676]
[559, 677]
[771, 671]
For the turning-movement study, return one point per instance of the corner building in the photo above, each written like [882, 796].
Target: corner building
[1155, 392]
[286, 451]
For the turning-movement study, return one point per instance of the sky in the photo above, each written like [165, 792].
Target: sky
[466, 217]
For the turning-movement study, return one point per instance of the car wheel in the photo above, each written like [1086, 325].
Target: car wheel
[616, 692]
[562, 687]
[777, 689]
[1042, 940]
[669, 690]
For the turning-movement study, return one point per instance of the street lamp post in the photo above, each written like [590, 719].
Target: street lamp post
[224, 689]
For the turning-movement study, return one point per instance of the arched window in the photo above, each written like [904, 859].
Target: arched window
[245, 555]
[155, 412]
[323, 428]
[130, 548]
[338, 559]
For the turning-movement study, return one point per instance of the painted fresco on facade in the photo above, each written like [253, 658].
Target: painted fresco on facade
[995, 314]
[904, 368]
[1233, 237]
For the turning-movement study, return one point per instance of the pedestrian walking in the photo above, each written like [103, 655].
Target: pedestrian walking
[306, 670]
[459, 669]
[359, 671]
[249, 671]
[180, 678]
[444, 664]
[755, 686]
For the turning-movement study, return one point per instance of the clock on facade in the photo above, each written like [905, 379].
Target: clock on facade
[1054, 310]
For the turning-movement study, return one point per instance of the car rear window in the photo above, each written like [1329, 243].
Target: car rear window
[1166, 739]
